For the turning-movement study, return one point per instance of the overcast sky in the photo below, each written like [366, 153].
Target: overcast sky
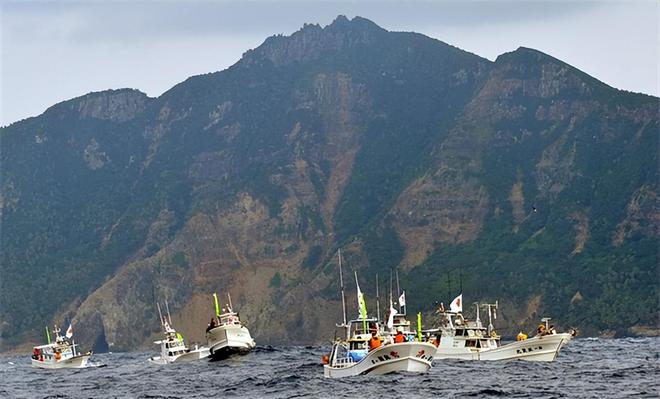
[52, 51]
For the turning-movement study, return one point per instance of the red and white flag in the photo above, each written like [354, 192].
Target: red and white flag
[69, 331]
[402, 299]
[457, 304]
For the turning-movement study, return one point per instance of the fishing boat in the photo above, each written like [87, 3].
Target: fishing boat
[226, 335]
[365, 349]
[61, 354]
[173, 348]
[459, 338]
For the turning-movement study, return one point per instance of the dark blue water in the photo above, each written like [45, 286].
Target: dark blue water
[586, 368]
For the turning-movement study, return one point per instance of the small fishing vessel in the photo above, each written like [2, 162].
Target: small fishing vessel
[173, 348]
[367, 349]
[459, 338]
[61, 354]
[226, 334]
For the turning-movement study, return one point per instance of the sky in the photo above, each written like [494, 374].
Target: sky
[51, 51]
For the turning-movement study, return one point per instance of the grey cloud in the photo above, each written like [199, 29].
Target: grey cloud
[149, 20]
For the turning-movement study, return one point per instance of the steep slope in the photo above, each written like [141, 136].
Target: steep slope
[524, 178]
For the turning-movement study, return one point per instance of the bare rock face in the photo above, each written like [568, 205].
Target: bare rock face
[642, 216]
[443, 208]
[114, 105]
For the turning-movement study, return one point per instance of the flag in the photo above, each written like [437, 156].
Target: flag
[69, 331]
[419, 327]
[361, 303]
[402, 299]
[390, 318]
[457, 304]
[217, 306]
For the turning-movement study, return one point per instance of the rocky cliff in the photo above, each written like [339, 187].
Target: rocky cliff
[522, 179]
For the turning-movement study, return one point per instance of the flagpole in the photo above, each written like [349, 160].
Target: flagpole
[341, 285]
[377, 301]
[402, 308]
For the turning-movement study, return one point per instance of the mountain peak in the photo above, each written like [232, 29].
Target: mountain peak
[312, 40]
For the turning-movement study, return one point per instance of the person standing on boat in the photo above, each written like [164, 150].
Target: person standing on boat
[399, 338]
[211, 325]
[374, 342]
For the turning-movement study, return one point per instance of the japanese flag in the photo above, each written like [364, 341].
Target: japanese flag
[69, 331]
[457, 304]
[402, 299]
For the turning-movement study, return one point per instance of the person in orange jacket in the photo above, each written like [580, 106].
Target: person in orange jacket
[374, 342]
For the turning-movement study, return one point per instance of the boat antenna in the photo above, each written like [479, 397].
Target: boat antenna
[449, 287]
[398, 289]
[377, 301]
[160, 314]
[341, 286]
[460, 279]
[169, 317]
[231, 307]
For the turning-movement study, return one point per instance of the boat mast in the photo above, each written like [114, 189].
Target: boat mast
[478, 320]
[341, 286]
[169, 317]
[231, 307]
[160, 315]
[377, 301]
[402, 309]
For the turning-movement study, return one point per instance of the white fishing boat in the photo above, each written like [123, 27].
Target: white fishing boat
[352, 356]
[173, 348]
[367, 349]
[459, 338]
[226, 334]
[61, 354]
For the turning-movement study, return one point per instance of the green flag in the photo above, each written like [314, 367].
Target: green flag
[419, 327]
[47, 335]
[179, 336]
[362, 305]
[217, 306]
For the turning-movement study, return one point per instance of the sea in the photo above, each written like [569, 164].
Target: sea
[586, 368]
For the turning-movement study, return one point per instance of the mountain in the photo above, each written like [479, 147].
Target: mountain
[523, 180]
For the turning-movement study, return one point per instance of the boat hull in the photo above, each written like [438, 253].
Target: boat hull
[227, 340]
[407, 356]
[76, 362]
[537, 349]
[197, 354]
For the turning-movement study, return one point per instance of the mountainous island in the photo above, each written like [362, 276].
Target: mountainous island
[524, 180]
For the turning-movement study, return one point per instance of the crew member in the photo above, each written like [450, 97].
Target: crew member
[399, 338]
[374, 342]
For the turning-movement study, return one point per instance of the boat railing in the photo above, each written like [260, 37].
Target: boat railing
[344, 362]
